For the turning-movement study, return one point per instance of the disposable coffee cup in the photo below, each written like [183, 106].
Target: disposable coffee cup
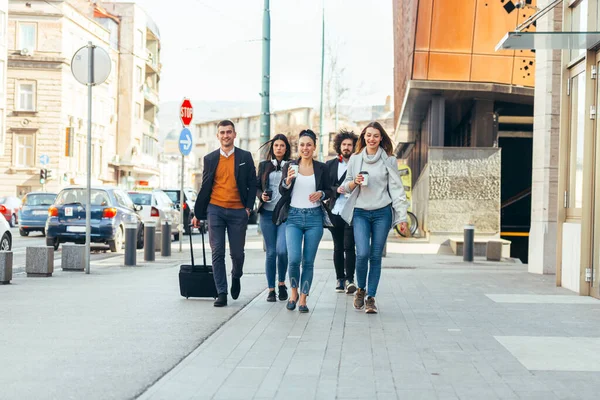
[295, 168]
[365, 176]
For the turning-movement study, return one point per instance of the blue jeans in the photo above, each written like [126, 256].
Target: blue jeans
[371, 228]
[277, 256]
[307, 224]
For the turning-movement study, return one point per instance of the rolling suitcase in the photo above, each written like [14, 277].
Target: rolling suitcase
[197, 280]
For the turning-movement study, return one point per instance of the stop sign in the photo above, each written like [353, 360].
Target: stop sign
[186, 112]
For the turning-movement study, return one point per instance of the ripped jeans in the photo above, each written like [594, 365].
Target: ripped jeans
[303, 225]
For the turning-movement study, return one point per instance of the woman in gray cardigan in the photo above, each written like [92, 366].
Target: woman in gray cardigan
[377, 202]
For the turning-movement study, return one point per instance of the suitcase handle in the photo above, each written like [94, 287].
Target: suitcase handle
[192, 246]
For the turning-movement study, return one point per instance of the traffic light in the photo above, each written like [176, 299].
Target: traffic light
[48, 174]
[43, 175]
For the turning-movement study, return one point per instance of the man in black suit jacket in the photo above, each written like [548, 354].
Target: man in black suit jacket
[225, 200]
[344, 253]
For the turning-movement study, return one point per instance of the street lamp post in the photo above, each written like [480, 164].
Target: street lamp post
[321, 119]
[265, 117]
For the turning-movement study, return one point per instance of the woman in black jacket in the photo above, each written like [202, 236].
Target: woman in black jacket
[304, 188]
[268, 180]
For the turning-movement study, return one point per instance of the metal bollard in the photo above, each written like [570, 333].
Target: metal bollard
[130, 244]
[149, 232]
[165, 251]
[469, 243]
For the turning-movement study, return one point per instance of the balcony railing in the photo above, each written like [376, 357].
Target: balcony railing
[151, 95]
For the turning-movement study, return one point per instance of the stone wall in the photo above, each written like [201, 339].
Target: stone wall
[461, 186]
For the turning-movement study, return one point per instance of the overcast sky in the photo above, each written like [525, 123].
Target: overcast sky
[211, 50]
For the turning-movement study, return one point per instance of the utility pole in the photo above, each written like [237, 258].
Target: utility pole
[265, 115]
[321, 120]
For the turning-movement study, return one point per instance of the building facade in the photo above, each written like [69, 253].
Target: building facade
[565, 234]
[44, 101]
[138, 100]
[457, 97]
[3, 66]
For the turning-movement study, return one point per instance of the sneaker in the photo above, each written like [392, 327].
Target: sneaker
[350, 287]
[283, 294]
[340, 286]
[359, 299]
[371, 308]
[271, 297]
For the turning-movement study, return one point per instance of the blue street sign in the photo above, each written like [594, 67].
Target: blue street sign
[185, 142]
[44, 159]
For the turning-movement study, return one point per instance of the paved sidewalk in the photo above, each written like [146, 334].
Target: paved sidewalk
[446, 330]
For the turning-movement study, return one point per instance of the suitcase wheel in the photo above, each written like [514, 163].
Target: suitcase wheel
[187, 297]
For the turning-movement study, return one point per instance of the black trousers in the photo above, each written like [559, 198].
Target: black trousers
[344, 253]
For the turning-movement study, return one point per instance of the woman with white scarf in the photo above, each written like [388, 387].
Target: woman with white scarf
[377, 202]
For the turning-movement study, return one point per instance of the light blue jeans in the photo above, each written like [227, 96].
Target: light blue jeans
[277, 256]
[371, 228]
[303, 224]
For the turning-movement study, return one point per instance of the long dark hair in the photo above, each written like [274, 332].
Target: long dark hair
[271, 153]
[386, 142]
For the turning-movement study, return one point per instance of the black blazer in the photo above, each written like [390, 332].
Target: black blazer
[322, 183]
[262, 180]
[245, 176]
[332, 168]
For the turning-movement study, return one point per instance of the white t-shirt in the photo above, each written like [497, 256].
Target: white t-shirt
[304, 186]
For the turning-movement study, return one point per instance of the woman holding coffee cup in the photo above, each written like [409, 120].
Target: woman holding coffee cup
[304, 188]
[377, 202]
[268, 180]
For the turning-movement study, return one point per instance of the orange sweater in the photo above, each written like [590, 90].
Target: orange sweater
[225, 192]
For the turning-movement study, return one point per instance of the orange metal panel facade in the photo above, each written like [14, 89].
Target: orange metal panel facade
[421, 65]
[449, 67]
[452, 26]
[456, 42]
[423, 34]
[497, 69]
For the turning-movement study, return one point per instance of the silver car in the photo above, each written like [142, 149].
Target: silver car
[157, 207]
[5, 235]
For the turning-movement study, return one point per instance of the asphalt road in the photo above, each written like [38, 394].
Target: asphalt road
[20, 244]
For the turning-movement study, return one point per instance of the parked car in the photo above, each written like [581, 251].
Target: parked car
[5, 235]
[157, 207]
[111, 209]
[33, 212]
[9, 208]
[188, 206]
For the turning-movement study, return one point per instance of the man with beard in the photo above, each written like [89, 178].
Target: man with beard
[226, 199]
[344, 254]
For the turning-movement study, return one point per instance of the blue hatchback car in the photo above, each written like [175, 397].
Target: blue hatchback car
[111, 210]
[34, 212]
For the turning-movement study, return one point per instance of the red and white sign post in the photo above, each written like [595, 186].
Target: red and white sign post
[186, 112]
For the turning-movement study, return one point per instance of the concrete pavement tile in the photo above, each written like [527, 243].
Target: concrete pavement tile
[416, 394]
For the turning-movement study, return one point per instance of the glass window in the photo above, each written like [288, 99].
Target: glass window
[579, 22]
[138, 110]
[123, 199]
[24, 150]
[27, 35]
[2, 77]
[141, 41]
[2, 24]
[70, 196]
[141, 199]
[576, 140]
[140, 76]
[26, 96]
[39, 199]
